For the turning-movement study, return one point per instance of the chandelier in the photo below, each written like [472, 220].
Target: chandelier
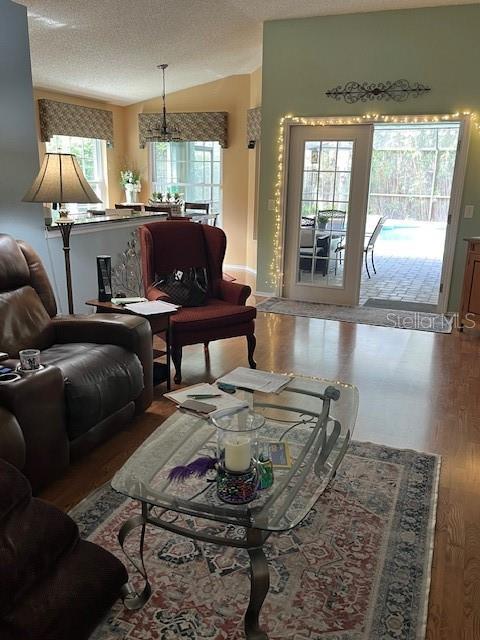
[163, 133]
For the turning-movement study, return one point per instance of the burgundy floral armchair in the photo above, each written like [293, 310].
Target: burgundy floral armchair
[166, 246]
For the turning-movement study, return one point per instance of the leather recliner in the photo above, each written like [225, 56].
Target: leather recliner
[97, 369]
[53, 585]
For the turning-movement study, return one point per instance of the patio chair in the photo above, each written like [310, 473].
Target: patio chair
[336, 227]
[369, 245]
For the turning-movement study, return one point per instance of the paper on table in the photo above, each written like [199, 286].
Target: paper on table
[255, 380]
[123, 301]
[151, 307]
[225, 403]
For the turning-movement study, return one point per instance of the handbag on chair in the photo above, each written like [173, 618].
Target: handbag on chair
[185, 287]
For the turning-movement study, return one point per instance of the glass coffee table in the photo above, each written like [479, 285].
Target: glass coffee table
[315, 417]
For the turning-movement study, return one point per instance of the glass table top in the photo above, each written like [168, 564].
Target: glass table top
[317, 431]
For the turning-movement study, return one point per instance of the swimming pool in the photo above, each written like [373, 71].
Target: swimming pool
[411, 238]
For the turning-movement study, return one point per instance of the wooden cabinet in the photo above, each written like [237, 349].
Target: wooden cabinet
[470, 303]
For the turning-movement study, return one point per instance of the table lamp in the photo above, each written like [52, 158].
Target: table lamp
[59, 181]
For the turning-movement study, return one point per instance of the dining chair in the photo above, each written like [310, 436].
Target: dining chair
[158, 208]
[196, 208]
[134, 207]
[179, 217]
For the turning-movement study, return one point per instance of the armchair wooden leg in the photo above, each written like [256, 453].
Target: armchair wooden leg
[205, 346]
[177, 361]
[252, 343]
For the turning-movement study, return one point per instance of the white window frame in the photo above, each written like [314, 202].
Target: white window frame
[99, 186]
[183, 185]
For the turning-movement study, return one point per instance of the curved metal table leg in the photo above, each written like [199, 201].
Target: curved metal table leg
[259, 585]
[131, 599]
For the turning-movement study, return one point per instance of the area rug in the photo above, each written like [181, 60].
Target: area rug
[395, 318]
[402, 305]
[357, 568]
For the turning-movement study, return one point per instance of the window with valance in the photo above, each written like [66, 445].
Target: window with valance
[65, 119]
[206, 126]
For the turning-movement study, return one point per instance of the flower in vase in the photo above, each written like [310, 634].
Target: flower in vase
[130, 177]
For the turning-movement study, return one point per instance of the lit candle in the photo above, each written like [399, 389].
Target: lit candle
[237, 453]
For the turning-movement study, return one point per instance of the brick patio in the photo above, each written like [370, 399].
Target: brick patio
[409, 279]
[408, 269]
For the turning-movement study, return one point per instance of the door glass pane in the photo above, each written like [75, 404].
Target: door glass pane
[310, 185]
[328, 156]
[312, 155]
[326, 185]
[342, 185]
[327, 167]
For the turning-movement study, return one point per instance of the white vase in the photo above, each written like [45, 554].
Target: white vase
[130, 196]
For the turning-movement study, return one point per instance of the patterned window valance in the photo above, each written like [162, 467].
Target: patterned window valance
[64, 119]
[254, 125]
[200, 125]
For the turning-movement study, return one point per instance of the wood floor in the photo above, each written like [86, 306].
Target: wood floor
[417, 390]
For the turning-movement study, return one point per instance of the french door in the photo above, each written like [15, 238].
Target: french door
[327, 194]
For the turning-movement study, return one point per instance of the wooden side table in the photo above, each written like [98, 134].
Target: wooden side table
[159, 323]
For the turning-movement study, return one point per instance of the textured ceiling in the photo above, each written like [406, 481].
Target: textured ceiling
[109, 49]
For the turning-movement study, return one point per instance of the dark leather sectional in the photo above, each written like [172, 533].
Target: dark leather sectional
[97, 375]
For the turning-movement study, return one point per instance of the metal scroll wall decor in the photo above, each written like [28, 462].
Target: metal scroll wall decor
[399, 90]
[127, 277]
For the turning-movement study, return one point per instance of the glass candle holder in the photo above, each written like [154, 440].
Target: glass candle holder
[237, 454]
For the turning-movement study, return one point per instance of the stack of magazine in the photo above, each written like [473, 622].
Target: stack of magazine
[223, 403]
[253, 380]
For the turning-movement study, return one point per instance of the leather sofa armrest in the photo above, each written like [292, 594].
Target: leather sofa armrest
[37, 403]
[12, 442]
[128, 331]
[234, 292]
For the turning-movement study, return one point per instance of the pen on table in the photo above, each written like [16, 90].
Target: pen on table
[204, 395]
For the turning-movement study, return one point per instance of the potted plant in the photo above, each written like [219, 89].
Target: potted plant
[322, 220]
[157, 196]
[130, 181]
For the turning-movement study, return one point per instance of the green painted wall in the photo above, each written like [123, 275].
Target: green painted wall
[303, 58]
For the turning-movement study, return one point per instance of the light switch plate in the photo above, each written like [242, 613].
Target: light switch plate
[469, 209]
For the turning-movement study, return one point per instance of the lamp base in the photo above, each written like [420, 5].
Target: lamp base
[65, 225]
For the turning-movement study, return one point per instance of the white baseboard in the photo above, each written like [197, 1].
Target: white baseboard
[243, 267]
[240, 267]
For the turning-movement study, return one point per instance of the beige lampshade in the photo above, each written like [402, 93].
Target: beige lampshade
[60, 179]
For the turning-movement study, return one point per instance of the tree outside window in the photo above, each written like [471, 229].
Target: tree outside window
[412, 172]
